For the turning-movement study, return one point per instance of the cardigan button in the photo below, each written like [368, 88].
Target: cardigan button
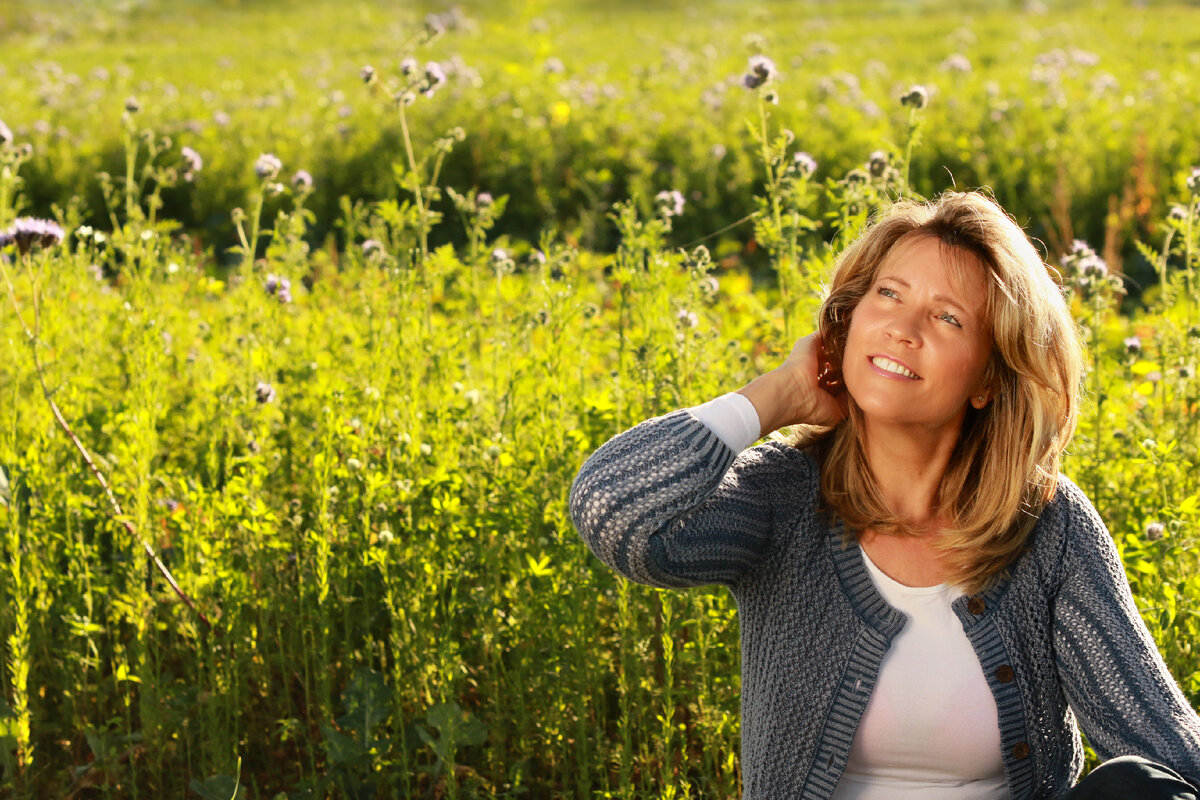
[1020, 750]
[976, 605]
[1005, 674]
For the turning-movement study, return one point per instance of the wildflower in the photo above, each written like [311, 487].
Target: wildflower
[718, 151]
[857, 177]
[761, 71]
[1177, 214]
[803, 164]
[302, 181]
[553, 66]
[409, 67]
[279, 287]
[591, 311]
[473, 396]
[771, 97]
[1133, 345]
[373, 247]
[434, 78]
[385, 537]
[6, 135]
[1154, 531]
[1187, 372]
[877, 163]
[709, 287]
[484, 200]
[542, 317]
[264, 393]
[267, 166]
[434, 26]
[353, 464]
[917, 97]
[192, 163]
[537, 258]
[26, 232]
[687, 319]
[132, 105]
[1193, 182]
[367, 73]
[669, 203]
[956, 62]
[1083, 261]
[425, 449]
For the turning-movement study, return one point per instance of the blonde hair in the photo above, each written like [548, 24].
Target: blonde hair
[1004, 469]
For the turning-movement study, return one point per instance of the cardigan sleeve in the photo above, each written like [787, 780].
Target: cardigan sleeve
[668, 504]
[1115, 680]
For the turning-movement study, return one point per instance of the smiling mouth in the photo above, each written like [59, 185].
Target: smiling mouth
[894, 367]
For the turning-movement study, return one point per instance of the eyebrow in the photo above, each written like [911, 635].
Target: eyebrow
[937, 298]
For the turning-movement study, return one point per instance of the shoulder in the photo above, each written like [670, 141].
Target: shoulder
[775, 459]
[1070, 534]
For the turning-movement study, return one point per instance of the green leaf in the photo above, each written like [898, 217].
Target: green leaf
[218, 787]
[340, 748]
[368, 701]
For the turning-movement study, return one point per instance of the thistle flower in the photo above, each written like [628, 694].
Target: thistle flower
[669, 203]
[434, 26]
[367, 73]
[857, 177]
[1154, 531]
[877, 163]
[1193, 182]
[916, 97]
[803, 164]
[956, 63]
[409, 67]
[484, 200]
[267, 166]
[132, 105]
[6, 135]
[373, 247]
[302, 181]
[192, 163]
[687, 319]
[434, 78]
[1082, 261]
[554, 66]
[25, 232]
[264, 393]
[1177, 213]
[760, 71]
[1133, 344]
[279, 287]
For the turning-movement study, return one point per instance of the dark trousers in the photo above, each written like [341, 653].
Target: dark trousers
[1132, 778]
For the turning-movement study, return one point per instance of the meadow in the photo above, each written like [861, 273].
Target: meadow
[346, 293]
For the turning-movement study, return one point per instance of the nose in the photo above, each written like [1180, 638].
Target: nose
[904, 326]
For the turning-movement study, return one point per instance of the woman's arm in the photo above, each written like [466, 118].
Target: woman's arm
[668, 503]
[1115, 680]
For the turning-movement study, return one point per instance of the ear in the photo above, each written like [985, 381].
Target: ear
[981, 398]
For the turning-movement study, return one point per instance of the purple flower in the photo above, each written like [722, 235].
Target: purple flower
[409, 67]
[917, 97]
[26, 232]
[804, 164]
[132, 105]
[6, 135]
[367, 73]
[279, 287]
[192, 163]
[1154, 531]
[761, 70]
[264, 393]
[434, 78]
[669, 203]
[302, 181]
[484, 200]
[1133, 344]
[1193, 182]
[267, 166]
[1083, 261]
[877, 163]
[373, 247]
[1177, 213]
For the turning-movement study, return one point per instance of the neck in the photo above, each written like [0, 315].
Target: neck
[908, 464]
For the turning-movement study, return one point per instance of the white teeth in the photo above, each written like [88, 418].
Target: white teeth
[892, 366]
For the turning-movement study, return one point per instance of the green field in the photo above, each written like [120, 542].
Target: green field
[346, 416]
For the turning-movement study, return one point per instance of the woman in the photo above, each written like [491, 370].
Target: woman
[926, 606]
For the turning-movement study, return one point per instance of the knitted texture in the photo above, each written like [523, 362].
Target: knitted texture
[1059, 638]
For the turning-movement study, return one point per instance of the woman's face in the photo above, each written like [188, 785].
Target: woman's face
[919, 340]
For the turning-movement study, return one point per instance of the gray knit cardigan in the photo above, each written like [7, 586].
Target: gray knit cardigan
[1060, 640]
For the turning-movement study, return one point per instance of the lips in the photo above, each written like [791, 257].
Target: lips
[893, 367]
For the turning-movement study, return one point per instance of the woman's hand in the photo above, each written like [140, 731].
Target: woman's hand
[790, 394]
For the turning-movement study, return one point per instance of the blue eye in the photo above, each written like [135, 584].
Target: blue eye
[886, 292]
[948, 317]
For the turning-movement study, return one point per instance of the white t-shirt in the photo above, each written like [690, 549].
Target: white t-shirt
[930, 730]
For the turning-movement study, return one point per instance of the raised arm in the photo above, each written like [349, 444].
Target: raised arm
[1116, 681]
[668, 503]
